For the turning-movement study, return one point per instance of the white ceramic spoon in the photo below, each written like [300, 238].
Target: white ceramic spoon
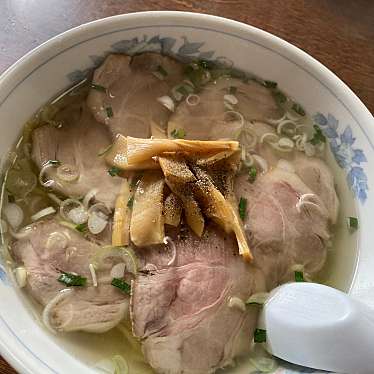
[319, 327]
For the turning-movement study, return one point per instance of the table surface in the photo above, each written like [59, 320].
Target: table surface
[339, 33]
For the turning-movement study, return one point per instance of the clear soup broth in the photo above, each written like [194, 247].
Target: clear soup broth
[191, 101]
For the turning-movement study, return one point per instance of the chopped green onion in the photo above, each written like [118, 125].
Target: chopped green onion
[352, 223]
[130, 202]
[232, 90]
[260, 336]
[82, 227]
[178, 134]
[203, 64]
[318, 136]
[242, 207]
[70, 279]
[198, 77]
[98, 87]
[106, 150]
[122, 285]
[252, 174]
[258, 299]
[299, 276]
[298, 109]
[109, 111]
[255, 303]
[206, 64]
[113, 171]
[53, 162]
[162, 71]
[280, 97]
[182, 90]
[270, 84]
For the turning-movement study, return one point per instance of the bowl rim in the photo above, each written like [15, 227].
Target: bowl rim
[315, 65]
[345, 95]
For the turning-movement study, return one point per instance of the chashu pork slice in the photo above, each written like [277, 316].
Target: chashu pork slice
[283, 231]
[181, 310]
[313, 171]
[129, 88]
[76, 146]
[47, 250]
[211, 118]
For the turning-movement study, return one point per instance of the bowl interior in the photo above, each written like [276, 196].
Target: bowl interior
[67, 59]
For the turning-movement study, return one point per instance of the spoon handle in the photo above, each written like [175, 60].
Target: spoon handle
[320, 327]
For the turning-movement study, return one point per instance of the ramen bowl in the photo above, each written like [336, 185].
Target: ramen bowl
[68, 58]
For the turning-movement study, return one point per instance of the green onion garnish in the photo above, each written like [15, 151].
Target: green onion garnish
[252, 174]
[280, 97]
[162, 71]
[106, 150]
[122, 285]
[53, 162]
[197, 77]
[257, 299]
[178, 133]
[82, 227]
[206, 64]
[70, 279]
[352, 223]
[318, 136]
[298, 109]
[113, 171]
[254, 303]
[270, 84]
[98, 87]
[182, 90]
[299, 276]
[260, 336]
[242, 207]
[109, 111]
[130, 202]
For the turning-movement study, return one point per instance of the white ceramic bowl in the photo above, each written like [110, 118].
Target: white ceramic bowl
[53, 66]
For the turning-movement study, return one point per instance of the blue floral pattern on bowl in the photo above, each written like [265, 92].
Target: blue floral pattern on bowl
[3, 273]
[187, 51]
[346, 155]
